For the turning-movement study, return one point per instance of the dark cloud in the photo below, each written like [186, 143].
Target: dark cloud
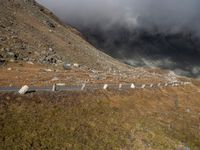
[169, 15]
[154, 33]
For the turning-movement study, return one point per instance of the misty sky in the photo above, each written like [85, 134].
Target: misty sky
[165, 15]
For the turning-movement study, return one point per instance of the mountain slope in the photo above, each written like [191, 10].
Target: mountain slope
[30, 32]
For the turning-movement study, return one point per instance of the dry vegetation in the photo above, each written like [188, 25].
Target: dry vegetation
[140, 119]
[21, 73]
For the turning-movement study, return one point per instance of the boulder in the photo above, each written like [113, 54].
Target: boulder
[60, 84]
[76, 65]
[55, 79]
[48, 70]
[30, 63]
[67, 66]
[51, 49]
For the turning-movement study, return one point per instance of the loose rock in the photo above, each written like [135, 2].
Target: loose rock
[67, 66]
[48, 70]
[55, 79]
[76, 65]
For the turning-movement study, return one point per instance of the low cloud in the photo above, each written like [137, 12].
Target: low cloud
[164, 16]
[155, 33]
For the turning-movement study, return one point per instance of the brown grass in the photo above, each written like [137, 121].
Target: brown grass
[148, 119]
[22, 73]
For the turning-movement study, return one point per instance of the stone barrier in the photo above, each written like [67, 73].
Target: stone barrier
[23, 90]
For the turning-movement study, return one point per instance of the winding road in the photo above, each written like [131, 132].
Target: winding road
[84, 87]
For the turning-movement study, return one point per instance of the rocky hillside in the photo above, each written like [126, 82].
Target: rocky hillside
[30, 32]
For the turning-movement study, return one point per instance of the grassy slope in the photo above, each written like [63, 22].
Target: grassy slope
[163, 119]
